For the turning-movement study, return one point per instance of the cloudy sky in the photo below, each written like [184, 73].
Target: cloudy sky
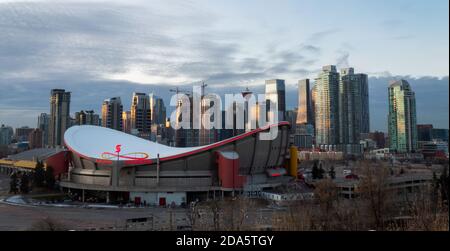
[99, 49]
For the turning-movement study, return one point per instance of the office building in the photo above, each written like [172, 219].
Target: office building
[304, 125]
[291, 117]
[304, 110]
[424, 132]
[276, 92]
[112, 113]
[6, 135]
[59, 116]
[141, 117]
[157, 110]
[402, 117]
[87, 118]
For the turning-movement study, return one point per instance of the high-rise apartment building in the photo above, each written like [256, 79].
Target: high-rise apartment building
[141, 117]
[59, 116]
[276, 92]
[326, 106]
[353, 106]
[112, 113]
[402, 117]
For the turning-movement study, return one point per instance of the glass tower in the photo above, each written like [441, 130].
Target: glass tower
[353, 106]
[402, 117]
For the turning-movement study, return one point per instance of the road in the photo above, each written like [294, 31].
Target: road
[17, 217]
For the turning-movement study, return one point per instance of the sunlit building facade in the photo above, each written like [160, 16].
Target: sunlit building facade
[304, 128]
[326, 106]
[402, 117]
[276, 92]
[157, 110]
[59, 116]
[126, 121]
[112, 113]
[141, 117]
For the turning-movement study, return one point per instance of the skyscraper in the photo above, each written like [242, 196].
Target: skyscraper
[327, 106]
[313, 104]
[353, 106]
[304, 132]
[59, 116]
[276, 92]
[126, 121]
[304, 111]
[157, 110]
[43, 125]
[185, 137]
[112, 113]
[141, 113]
[402, 117]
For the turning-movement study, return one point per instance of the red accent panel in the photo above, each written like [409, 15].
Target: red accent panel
[229, 172]
[58, 162]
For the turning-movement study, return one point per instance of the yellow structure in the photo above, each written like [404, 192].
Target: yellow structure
[20, 163]
[293, 162]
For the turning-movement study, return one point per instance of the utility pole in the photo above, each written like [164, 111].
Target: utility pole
[157, 169]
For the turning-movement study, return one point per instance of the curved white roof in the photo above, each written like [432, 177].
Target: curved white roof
[100, 143]
[93, 141]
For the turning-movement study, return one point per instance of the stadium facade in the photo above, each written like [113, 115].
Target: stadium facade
[122, 167]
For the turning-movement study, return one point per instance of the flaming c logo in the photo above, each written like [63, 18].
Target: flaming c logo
[131, 156]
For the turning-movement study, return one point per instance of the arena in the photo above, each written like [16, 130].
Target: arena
[117, 166]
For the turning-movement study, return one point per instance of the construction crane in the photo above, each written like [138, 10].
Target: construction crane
[203, 88]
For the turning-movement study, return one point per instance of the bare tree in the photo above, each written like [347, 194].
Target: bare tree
[48, 224]
[374, 189]
[326, 195]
